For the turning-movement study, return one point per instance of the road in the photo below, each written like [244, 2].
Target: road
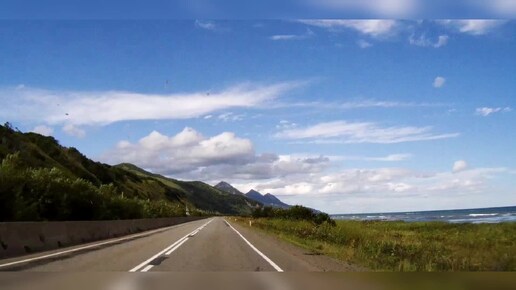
[214, 244]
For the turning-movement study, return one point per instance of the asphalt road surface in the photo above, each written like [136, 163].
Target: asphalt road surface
[214, 244]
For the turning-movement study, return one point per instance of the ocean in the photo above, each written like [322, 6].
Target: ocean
[478, 215]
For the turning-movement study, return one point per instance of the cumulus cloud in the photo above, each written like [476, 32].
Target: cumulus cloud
[105, 107]
[384, 182]
[423, 41]
[360, 132]
[473, 26]
[486, 111]
[74, 131]
[43, 130]
[182, 152]
[371, 27]
[439, 82]
[459, 166]
[190, 155]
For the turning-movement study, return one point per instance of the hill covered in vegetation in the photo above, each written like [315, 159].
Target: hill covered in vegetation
[42, 180]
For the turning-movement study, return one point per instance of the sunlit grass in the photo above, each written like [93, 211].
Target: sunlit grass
[402, 246]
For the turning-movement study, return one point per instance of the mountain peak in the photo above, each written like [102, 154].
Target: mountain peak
[222, 183]
[226, 187]
[268, 199]
[252, 191]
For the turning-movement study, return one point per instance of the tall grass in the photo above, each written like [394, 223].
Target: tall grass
[401, 246]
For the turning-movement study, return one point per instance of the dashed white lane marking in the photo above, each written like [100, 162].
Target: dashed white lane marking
[167, 251]
[88, 247]
[274, 265]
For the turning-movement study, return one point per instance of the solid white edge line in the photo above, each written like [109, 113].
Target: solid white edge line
[276, 267]
[89, 246]
[141, 265]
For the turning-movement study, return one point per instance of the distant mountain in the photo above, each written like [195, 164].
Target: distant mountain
[267, 199]
[226, 187]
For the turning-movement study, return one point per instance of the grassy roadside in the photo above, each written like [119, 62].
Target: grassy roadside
[401, 246]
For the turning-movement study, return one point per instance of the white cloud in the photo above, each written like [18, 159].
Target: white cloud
[391, 157]
[43, 130]
[226, 117]
[363, 44]
[284, 124]
[459, 166]
[486, 111]
[361, 104]
[439, 82]
[360, 132]
[473, 26]
[423, 41]
[208, 25]
[384, 181]
[388, 158]
[371, 27]
[74, 131]
[309, 33]
[383, 8]
[502, 7]
[190, 155]
[105, 107]
[185, 151]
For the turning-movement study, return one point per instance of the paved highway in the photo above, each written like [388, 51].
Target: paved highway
[214, 244]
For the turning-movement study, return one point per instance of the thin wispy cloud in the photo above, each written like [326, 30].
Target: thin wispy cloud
[486, 111]
[309, 33]
[106, 107]
[370, 27]
[383, 8]
[360, 132]
[424, 41]
[364, 44]
[473, 26]
[361, 104]
[388, 158]
[204, 24]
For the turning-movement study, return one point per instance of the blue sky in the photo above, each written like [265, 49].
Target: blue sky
[341, 115]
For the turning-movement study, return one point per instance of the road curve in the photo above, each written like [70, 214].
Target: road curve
[213, 244]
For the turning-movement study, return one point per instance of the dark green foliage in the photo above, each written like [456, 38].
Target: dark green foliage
[296, 212]
[43, 180]
[49, 194]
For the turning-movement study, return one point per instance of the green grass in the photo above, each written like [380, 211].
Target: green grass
[401, 246]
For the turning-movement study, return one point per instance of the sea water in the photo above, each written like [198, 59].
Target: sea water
[478, 215]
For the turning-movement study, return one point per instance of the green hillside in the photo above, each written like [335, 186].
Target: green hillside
[38, 175]
[200, 194]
